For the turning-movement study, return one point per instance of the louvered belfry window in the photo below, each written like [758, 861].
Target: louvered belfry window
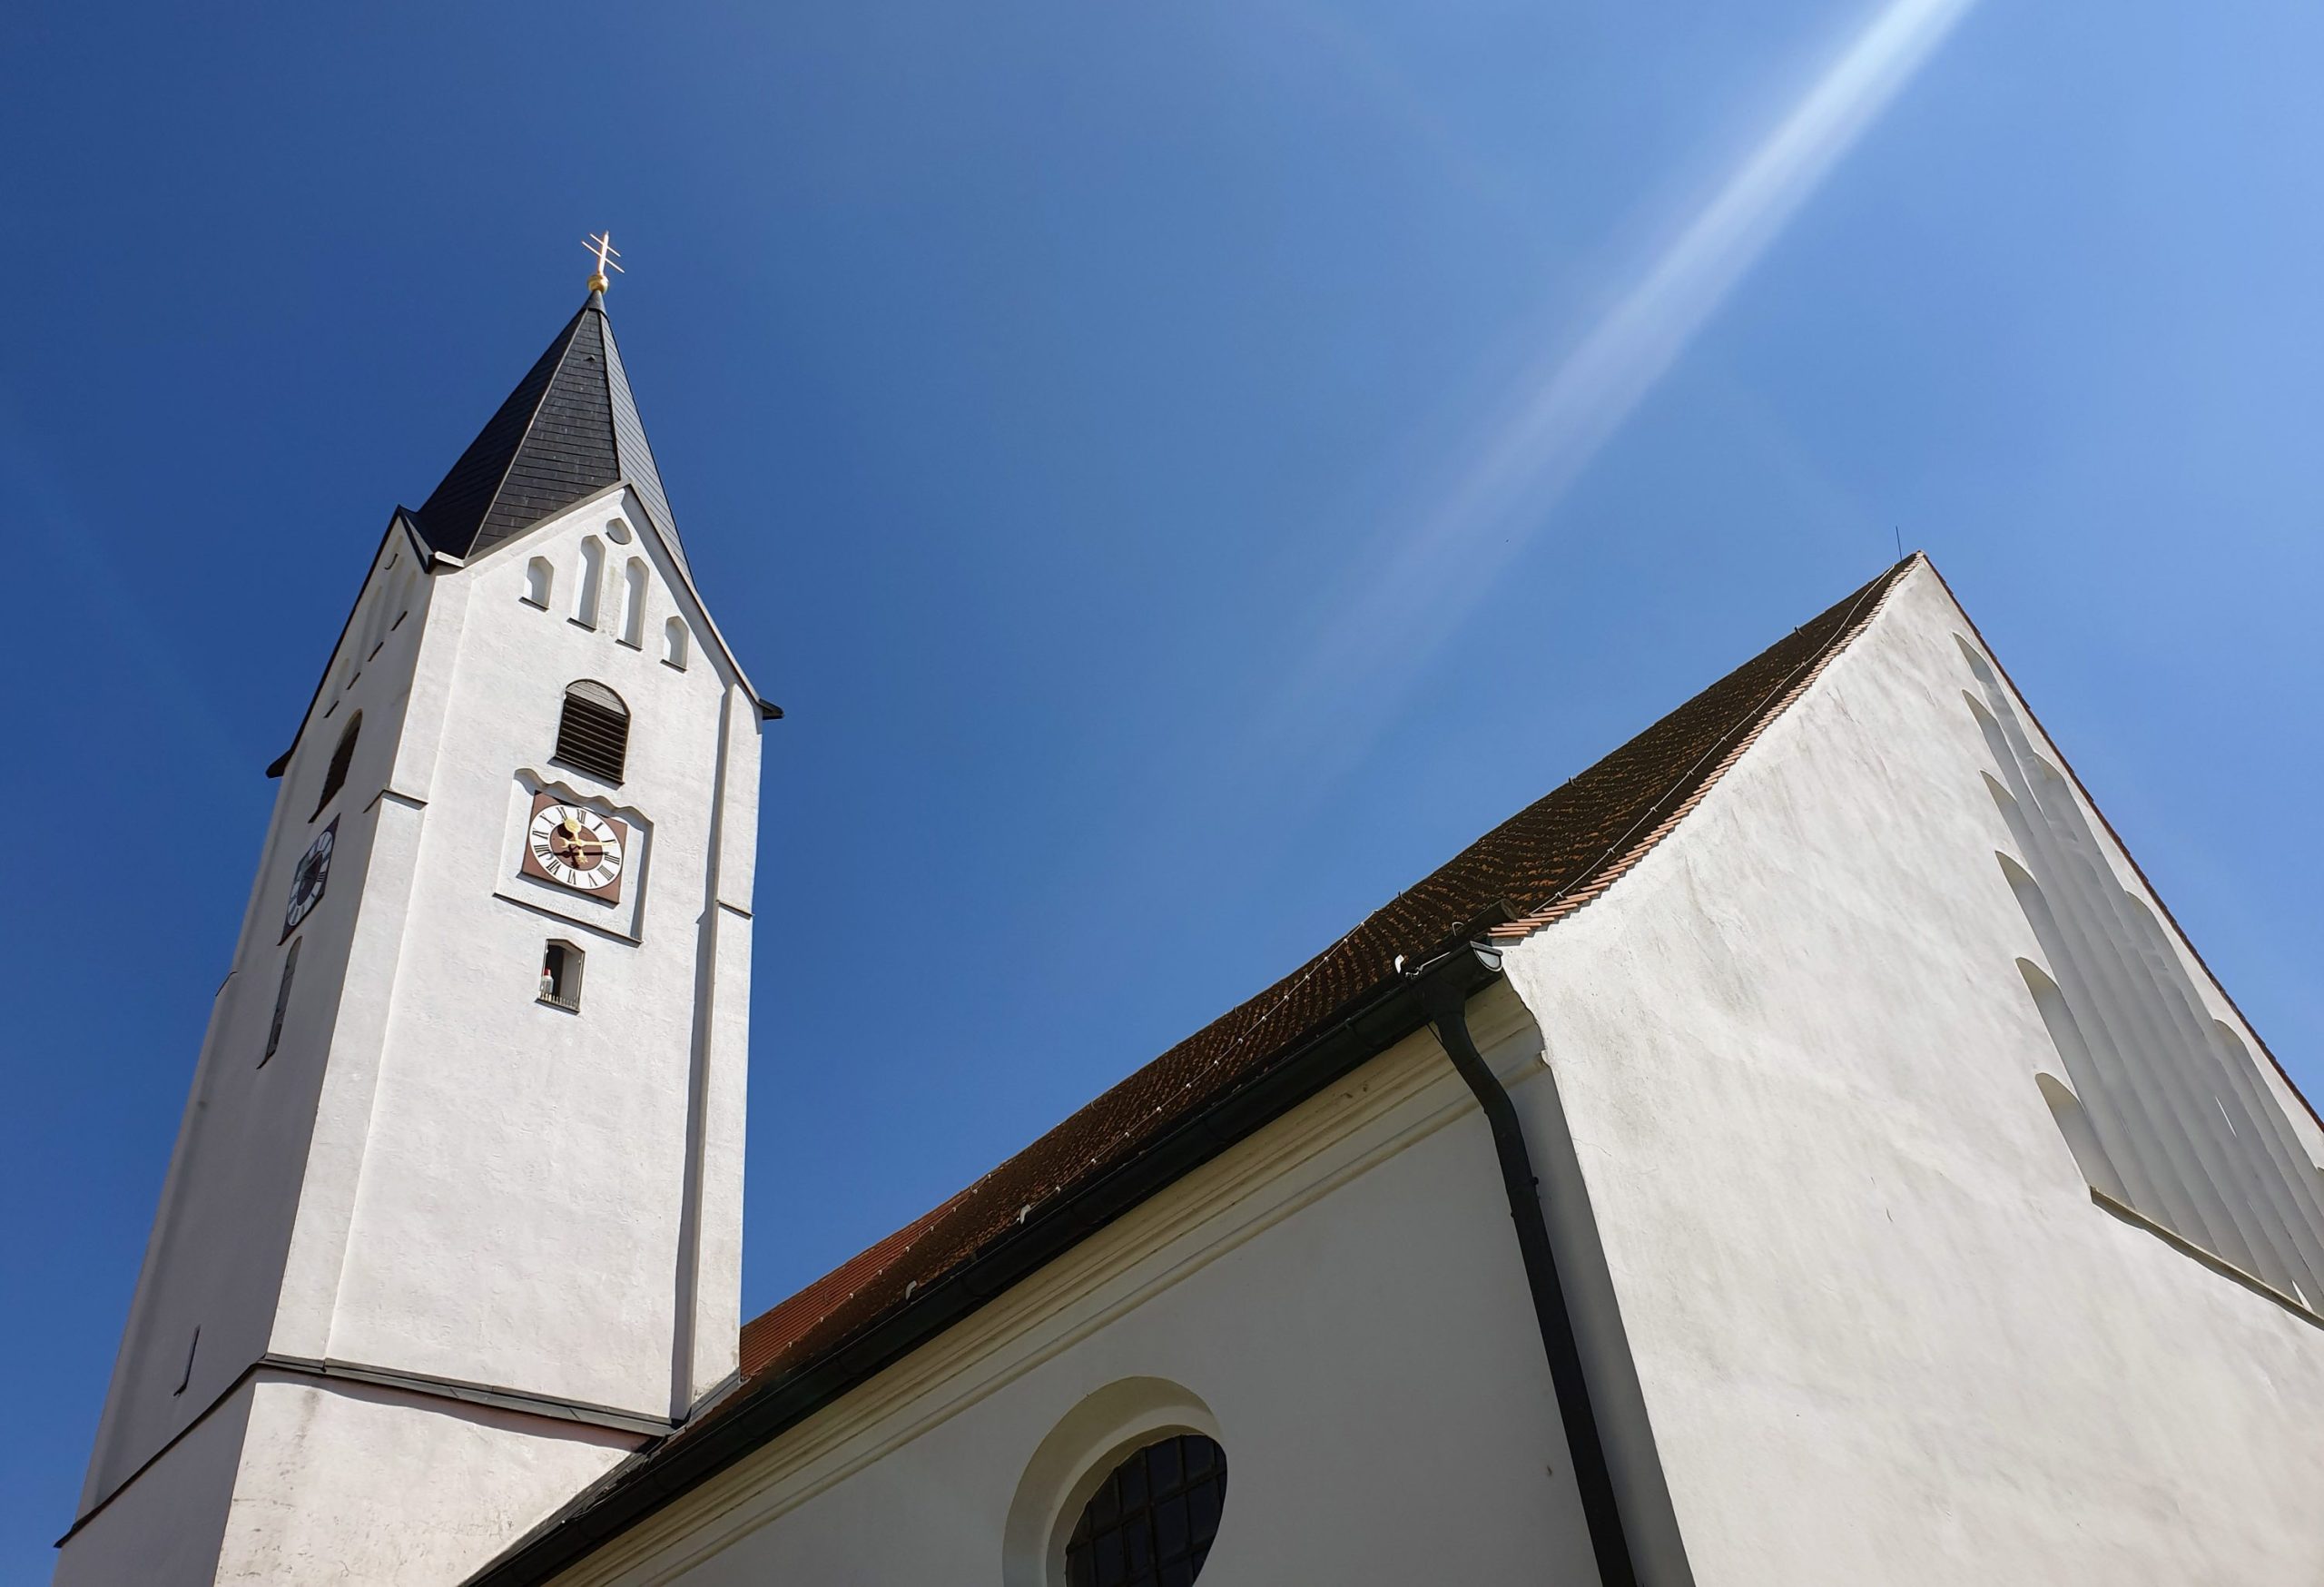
[593, 734]
[1151, 1523]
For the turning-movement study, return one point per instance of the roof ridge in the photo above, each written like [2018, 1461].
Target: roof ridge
[621, 403]
[563, 432]
[1549, 858]
[1634, 847]
[540, 404]
[1416, 920]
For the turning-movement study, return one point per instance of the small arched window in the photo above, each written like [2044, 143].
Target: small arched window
[335, 774]
[593, 733]
[1153, 1518]
[540, 579]
[632, 604]
[593, 574]
[674, 642]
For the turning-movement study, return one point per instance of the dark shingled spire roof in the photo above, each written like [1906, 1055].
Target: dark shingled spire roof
[569, 429]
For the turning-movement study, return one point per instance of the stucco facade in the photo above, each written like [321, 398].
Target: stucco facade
[1883, 1330]
[1849, 1309]
[1855, 1178]
[1337, 1301]
[453, 1250]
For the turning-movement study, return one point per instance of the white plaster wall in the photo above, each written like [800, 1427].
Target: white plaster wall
[215, 1258]
[1343, 1293]
[1882, 1331]
[435, 1174]
[163, 1530]
[519, 1207]
[344, 1483]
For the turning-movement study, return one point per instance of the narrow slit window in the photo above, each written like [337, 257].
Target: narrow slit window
[335, 774]
[593, 732]
[561, 976]
[282, 1001]
[186, 1376]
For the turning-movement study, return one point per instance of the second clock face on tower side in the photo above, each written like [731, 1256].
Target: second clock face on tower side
[575, 846]
[308, 883]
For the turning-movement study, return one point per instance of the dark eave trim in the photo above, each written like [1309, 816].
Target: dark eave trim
[635, 1490]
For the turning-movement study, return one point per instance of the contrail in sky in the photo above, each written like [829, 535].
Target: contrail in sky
[1560, 416]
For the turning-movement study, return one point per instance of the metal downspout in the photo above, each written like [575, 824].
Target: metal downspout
[1447, 1011]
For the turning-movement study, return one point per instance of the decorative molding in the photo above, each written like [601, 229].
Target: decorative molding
[424, 1384]
[465, 1392]
[1383, 1108]
[2217, 1263]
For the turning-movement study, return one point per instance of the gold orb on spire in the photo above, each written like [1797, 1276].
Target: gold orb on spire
[601, 243]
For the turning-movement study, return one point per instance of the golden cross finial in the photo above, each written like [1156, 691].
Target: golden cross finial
[602, 245]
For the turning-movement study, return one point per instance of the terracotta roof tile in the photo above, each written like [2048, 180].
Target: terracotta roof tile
[1547, 860]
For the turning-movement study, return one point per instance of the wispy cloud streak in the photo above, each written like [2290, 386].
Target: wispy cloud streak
[1426, 578]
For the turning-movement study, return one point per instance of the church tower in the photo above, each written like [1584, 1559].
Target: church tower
[454, 1219]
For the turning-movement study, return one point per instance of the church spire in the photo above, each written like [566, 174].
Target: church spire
[569, 429]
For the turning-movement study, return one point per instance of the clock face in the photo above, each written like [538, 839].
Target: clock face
[307, 883]
[574, 846]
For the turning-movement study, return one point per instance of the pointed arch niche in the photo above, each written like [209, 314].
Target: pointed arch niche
[593, 576]
[675, 643]
[632, 604]
[540, 581]
[2164, 1109]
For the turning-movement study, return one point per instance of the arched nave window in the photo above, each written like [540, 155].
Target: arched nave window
[1153, 1519]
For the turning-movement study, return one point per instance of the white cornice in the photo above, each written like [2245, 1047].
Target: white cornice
[1385, 1106]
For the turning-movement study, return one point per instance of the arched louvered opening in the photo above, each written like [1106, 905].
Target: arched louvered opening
[335, 774]
[593, 733]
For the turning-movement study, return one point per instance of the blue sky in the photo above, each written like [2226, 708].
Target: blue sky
[1186, 470]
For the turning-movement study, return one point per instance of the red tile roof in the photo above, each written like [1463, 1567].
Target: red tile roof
[1546, 860]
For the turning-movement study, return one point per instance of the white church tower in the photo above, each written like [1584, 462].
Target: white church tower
[454, 1219]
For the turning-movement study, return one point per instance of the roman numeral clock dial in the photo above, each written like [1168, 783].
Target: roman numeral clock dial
[575, 846]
